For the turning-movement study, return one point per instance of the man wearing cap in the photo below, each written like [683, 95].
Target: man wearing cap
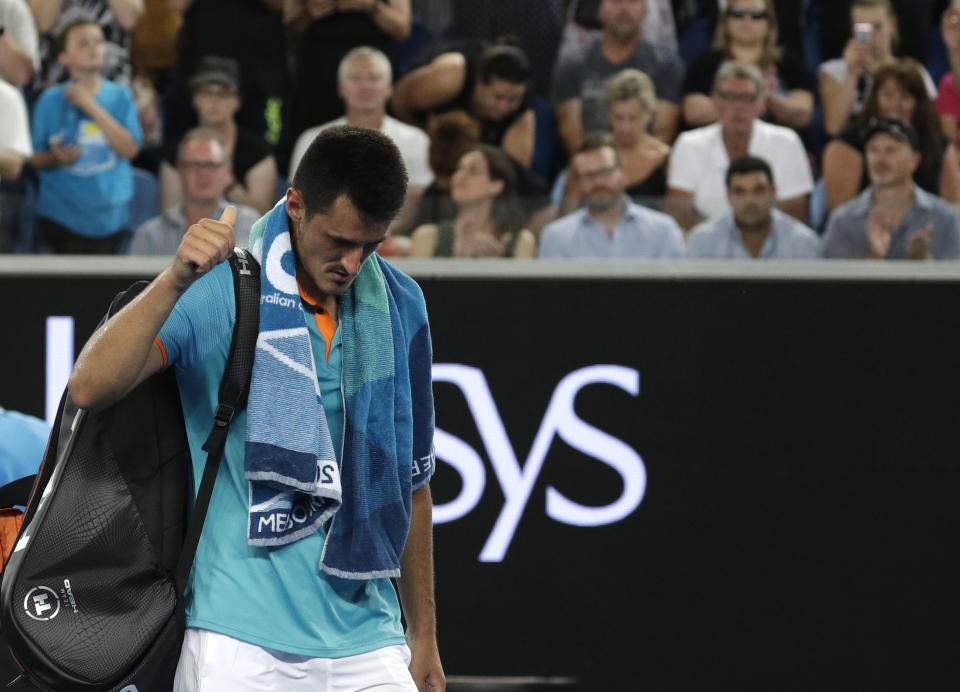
[893, 218]
[216, 99]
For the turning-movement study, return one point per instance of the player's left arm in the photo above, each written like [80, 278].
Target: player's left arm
[417, 598]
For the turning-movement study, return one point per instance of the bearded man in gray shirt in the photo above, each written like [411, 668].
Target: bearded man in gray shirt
[893, 218]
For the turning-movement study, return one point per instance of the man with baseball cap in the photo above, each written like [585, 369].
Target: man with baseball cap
[893, 218]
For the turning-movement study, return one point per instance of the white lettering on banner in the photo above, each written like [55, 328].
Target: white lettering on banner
[517, 483]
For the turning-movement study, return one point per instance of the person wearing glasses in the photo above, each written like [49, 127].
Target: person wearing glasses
[893, 218]
[610, 225]
[216, 98]
[203, 168]
[700, 157]
[747, 31]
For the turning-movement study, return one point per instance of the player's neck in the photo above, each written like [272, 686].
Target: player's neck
[328, 301]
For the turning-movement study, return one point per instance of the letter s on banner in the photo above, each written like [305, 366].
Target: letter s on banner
[598, 444]
[468, 464]
[517, 483]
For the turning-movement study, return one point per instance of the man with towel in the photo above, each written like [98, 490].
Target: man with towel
[323, 494]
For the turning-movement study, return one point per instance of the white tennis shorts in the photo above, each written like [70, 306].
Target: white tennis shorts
[214, 662]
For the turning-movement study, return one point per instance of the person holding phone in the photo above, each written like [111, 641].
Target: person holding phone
[846, 82]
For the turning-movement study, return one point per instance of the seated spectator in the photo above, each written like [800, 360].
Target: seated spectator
[493, 87]
[204, 170]
[700, 158]
[19, 43]
[611, 226]
[631, 101]
[747, 32]
[23, 440]
[451, 135]
[948, 96]
[489, 220]
[116, 19]
[216, 98]
[755, 228]
[15, 147]
[846, 82]
[85, 132]
[898, 93]
[365, 86]
[581, 77]
[893, 218]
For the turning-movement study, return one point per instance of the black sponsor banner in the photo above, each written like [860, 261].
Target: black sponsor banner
[656, 484]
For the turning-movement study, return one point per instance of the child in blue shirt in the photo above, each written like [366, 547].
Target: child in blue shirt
[85, 132]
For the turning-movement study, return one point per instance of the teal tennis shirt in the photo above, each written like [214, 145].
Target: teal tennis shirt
[274, 597]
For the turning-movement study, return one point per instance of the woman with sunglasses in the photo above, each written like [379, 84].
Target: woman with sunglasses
[899, 93]
[846, 82]
[747, 32]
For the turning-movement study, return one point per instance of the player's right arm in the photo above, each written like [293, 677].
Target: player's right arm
[123, 352]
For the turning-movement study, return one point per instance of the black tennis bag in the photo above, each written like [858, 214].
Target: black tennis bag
[92, 594]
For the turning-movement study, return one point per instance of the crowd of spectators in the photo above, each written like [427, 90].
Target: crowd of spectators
[544, 128]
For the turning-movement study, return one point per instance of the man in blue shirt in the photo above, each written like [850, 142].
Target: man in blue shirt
[755, 228]
[611, 226]
[281, 594]
[893, 218]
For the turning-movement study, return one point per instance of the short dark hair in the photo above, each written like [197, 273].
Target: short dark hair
[749, 164]
[504, 61]
[593, 141]
[360, 163]
[60, 44]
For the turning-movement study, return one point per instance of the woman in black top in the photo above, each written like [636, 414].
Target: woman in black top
[898, 92]
[747, 31]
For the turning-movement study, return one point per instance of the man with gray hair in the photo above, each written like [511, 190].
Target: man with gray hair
[365, 85]
[700, 157]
